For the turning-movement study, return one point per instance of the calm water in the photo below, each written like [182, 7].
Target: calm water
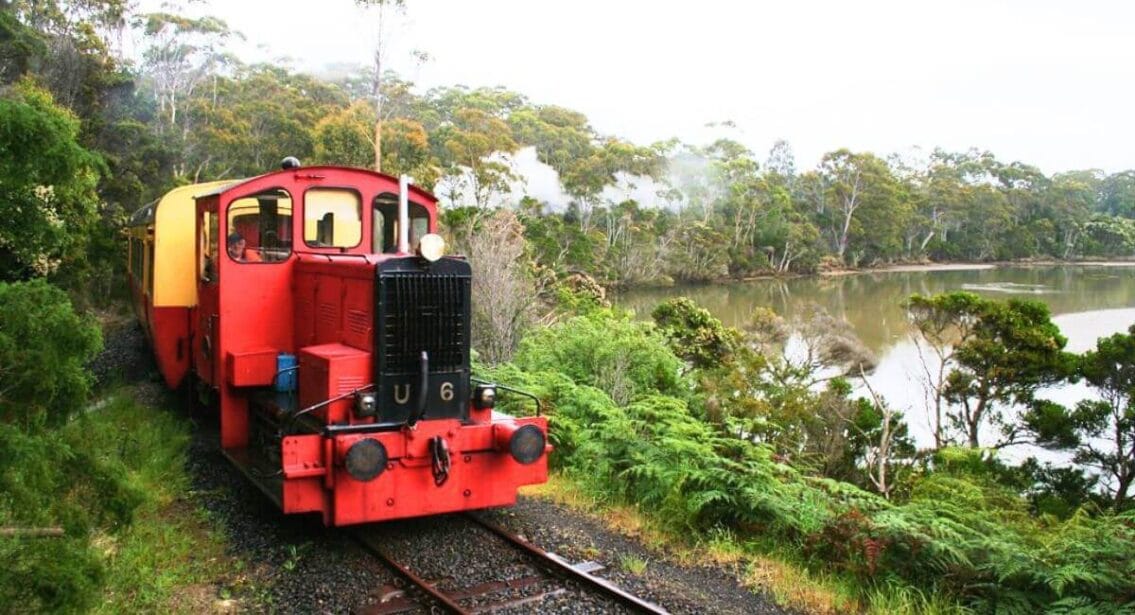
[1087, 302]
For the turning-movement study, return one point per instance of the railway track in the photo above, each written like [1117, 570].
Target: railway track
[545, 578]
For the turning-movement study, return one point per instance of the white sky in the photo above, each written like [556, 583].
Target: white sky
[1045, 82]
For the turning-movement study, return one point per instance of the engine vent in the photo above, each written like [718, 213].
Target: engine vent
[423, 308]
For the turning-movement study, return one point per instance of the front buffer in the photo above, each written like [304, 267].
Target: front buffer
[437, 466]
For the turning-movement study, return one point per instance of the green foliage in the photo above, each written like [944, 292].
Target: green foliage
[1001, 354]
[964, 533]
[625, 358]
[47, 186]
[346, 137]
[1101, 431]
[89, 477]
[44, 348]
[694, 334]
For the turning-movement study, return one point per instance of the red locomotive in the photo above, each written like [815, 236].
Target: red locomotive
[315, 307]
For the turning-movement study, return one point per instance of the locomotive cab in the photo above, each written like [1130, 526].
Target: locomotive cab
[334, 337]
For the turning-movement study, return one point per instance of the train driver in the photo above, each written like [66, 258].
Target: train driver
[237, 252]
[236, 247]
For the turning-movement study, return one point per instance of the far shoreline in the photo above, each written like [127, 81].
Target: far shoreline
[926, 267]
[894, 268]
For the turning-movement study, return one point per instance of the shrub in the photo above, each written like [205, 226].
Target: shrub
[44, 346]
[624, 358]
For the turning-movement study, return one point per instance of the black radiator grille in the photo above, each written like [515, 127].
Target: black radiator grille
[424, 311]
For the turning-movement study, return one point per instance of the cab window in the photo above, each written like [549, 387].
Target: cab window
[260, 228]
[332, 218]
[385, 213]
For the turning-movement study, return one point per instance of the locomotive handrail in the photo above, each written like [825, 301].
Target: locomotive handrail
[532, 396]
[327, 402]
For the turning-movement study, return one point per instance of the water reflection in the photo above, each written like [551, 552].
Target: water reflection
[1088, 302]
[872, 302]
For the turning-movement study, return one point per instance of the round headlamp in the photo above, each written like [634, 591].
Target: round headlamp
[365, 460]
[431, 247]
[526, 444]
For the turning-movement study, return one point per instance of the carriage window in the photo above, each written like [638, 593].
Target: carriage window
[260, 228]
[136, 259]
[149, 266]
[385, 238]
[332, 218]
[208, 249]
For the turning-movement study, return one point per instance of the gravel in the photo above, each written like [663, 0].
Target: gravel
[674, 587]
[295, 565]
[455, 554]
[125, 357]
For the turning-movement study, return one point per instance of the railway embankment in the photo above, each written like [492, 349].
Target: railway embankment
[202, 539]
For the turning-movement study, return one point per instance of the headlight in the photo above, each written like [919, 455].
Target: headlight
[365, 460]
[431, 247]
[524, 442]
[366, 404]
[484, 396]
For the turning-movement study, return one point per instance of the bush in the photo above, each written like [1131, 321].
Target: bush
[625, 358]
[92, 477]
[44, 346]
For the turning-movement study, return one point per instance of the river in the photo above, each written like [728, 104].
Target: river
[1087, 302]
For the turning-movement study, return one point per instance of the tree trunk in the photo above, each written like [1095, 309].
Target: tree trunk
[378, 145]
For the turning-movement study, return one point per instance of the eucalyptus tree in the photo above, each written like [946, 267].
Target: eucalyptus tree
[80, 60]
[855, 185]
[1068, 201]
[344, 136]
[381, 93]
[586, 162]
[182, 54]
[1118, 195]
[477, 144]
[251, 120]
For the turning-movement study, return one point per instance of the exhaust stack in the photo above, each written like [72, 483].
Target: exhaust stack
[404, 214]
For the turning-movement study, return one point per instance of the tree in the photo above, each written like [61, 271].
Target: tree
[503, 290]
[852, 185]
[47, 186]
[1118, 194]
[1101, 431]
[20, 47]
[407, 152]
[78, 65]
[344, 137]
[380, 49]
[1068, 201]
[181, 55]
[1001, 354]
[694, 334]
[253, 119]
[476, 142]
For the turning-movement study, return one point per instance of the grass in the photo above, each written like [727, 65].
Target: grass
[171, 558]
[760, 567]
[633, 564]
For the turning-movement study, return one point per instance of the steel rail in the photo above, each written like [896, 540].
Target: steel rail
[444, 600]
[562, 567]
